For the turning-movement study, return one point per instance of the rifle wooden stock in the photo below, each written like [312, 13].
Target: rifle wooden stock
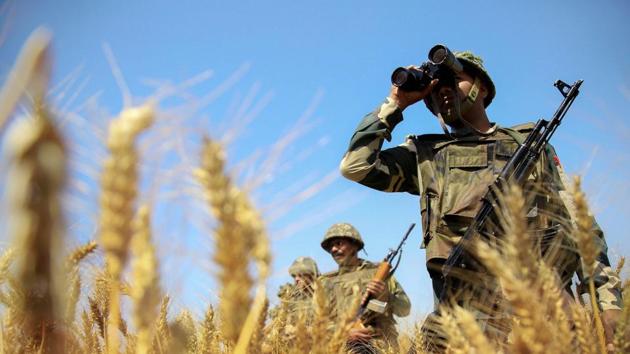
[382, 273]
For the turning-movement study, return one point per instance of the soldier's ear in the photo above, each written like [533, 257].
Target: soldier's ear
[483, 91]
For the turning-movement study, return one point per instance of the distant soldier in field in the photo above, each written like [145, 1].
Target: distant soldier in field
[299, 294]
[353, 280]
[451, 172]
[295, 310]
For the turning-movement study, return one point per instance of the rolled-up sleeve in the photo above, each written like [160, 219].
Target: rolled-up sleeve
[390, 170]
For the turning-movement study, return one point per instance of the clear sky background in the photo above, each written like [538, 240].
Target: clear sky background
[304, 73]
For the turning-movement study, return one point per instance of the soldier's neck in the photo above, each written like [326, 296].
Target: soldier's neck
[350, 266]
[478, 119]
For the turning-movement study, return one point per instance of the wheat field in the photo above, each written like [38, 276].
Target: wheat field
[50, 302]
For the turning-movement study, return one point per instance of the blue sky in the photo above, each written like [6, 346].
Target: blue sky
[330, 62]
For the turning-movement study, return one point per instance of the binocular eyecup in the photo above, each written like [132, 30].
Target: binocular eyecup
[442, 64]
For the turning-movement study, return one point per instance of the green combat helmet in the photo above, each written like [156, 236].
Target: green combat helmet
[342, 230]
[474, 66]
[304, 265]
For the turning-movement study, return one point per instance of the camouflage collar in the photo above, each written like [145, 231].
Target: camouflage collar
[467, 131]
[362, 264]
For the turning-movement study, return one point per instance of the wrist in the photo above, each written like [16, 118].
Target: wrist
[390, 113]
[400, 104]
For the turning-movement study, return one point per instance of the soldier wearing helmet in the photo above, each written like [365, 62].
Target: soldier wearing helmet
[298, 295]
[296, 298]
[450, 172]
[353, 279]
[304, 271]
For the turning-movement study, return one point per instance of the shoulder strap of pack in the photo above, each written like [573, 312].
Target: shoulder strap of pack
[515, 134]
[430, 138]
[519, 134]
[329, 274]
[368, 265]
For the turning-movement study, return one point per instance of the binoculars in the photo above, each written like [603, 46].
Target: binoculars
[442, 65]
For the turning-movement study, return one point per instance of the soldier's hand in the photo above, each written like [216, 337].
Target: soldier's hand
[377, 289]
[403, 98]
[360, 334]
[610, 318]
[289, 330]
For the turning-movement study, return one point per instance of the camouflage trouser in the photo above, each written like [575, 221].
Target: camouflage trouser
[380, 344]
[494, 322]
[361, 348]
[435, 341]
[374, 346]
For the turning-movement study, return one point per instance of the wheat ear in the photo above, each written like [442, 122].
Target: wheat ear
[119, 189]
[207, 334]
[72, 269]
[234, 240]
[34, 186]
[588, 251]
[145, 290]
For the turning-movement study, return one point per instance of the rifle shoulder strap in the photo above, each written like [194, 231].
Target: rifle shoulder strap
[515, 134]
[553, 163]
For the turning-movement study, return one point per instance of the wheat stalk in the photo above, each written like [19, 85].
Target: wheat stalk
[588, 251]
[71, 268]
[345, 321]
[29, 74]
[620, 264]
[237, 237]
[207, 334]
[457, 342]
[622, 333]
[583, 335]
[79, 253]
[145, 290]
[187, 331]
[255, 346]
[322, 316]
[162, 333]
[35, 182]
[118, 194]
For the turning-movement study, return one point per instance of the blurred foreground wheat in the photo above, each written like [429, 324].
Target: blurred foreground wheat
[45, 308]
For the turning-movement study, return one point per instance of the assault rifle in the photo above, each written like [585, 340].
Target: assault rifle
[516, 171]
[383, 272]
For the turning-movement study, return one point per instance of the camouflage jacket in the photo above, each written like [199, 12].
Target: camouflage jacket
[450, 175]
[347, 284]
[295, 302]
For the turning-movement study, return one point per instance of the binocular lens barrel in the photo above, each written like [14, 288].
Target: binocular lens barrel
[440, 54]
[409, 79]
[400, 76]
[441, 65]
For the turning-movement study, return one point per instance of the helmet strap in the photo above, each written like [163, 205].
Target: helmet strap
[465, 106]
[468, 102]
[436, 108]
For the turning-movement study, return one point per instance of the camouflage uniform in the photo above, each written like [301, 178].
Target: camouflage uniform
[295, 301]
[348, 284]
[450, 175]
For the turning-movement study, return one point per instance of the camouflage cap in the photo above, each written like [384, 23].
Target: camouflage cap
[473, 64]
[304, 265]
[342, 230]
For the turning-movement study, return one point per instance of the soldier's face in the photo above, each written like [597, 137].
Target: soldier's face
[303, 281]
[343, 251]
[449, 98]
